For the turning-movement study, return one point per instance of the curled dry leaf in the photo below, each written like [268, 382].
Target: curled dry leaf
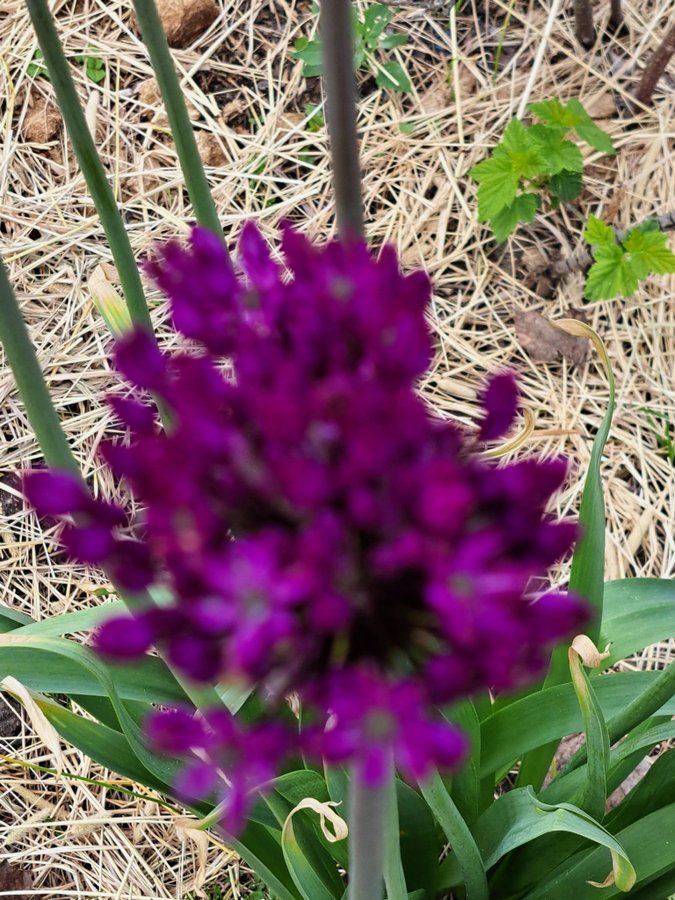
[43, 728]
[187, 830]
[543, 342]
[15, 880]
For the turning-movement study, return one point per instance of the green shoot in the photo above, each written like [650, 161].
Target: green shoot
[533, 163]
[94, 66]
[370, 39]
[663, 430]
[621, 265]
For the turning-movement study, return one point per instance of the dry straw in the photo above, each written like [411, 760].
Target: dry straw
[248, 100]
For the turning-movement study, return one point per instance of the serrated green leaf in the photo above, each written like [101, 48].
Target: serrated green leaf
[523, 209]
[560, 154]
[566, 185]
[553, 112]
[498, 185]
[611, 275]
[598, 233]
[649, 252]
[393, 76]
[514, 158]
[588, 131]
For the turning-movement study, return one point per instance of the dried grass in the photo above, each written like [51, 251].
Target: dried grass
[83, 840]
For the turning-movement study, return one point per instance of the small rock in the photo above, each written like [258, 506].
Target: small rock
[185, 20]
[209, 149]
[42, 122]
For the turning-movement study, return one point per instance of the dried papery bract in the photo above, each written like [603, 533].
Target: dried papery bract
[655, 68]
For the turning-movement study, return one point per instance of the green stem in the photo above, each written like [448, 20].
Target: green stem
[197, 185]
[461, 840]
[92, 168]
[339, 81]
[24, 364]
[394, 876]
[368, 808]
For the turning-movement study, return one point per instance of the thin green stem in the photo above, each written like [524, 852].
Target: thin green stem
[335, 21]
[197, 185]
[23, 362]
[368, 808]
[461, 840]
[92, 168]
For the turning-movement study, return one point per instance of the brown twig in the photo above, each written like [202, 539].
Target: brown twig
[655, 68]
[582, 259]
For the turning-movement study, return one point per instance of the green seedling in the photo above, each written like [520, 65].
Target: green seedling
[370, 39]
[536, 163]
[620, 265]
[93, 65]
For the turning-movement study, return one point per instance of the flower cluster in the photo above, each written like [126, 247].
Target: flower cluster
[321, 532]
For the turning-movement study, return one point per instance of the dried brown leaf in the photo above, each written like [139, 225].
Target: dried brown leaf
[543, 342]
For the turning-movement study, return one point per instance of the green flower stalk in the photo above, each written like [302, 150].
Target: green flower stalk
[90, 163]
[155, 40]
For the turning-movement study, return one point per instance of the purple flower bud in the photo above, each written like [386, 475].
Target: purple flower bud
[55, 493]
[124, 637]
[500, 402]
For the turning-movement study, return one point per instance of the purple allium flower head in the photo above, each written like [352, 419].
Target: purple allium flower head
[321, 533]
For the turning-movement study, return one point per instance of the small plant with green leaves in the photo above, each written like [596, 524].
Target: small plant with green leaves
[370, 39]
[536, 163]
[621, 262]
[93, 65]
[663, 429]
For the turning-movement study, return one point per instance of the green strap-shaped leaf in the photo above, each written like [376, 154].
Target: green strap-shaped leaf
[637, 612]
[394, 876]
[622, 760]
[11, 619]
[465, 851]
[519, 817]
[553, 713]
[465, 788]
[163, 769]
[43, 670]
[104, 745]
[587, 573]
[649, 844]
[654, 790]
[69, 623]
